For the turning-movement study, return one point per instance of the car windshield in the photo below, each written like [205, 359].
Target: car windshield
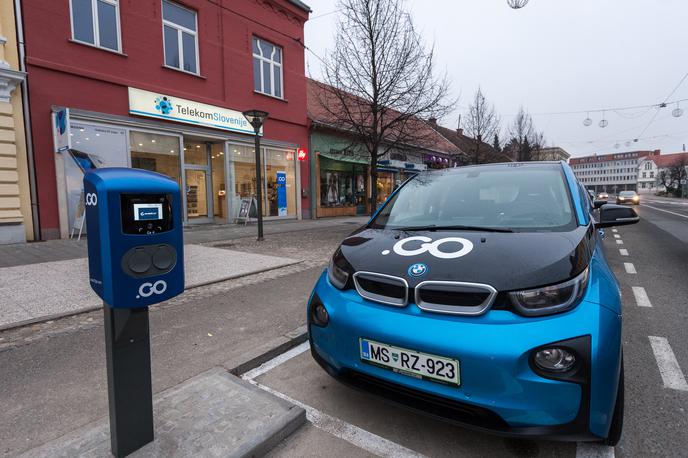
[627, 193]
[509, 197]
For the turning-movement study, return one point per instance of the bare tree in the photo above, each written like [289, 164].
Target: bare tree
[381, 81]
[482, 123]
[678, 174]
[525, 141]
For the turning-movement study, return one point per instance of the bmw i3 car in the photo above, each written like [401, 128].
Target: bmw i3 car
[481, 295]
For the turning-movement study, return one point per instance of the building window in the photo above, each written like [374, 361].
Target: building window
[96, 22]
[180, 37]
[267, 68]
[652, 174]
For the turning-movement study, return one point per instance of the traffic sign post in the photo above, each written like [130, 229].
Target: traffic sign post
[135, 257]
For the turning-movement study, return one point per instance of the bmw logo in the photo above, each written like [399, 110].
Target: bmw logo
[417, 270]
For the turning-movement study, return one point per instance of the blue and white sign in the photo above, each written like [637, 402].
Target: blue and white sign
[147, 212]
[281, 193]
[171, 108]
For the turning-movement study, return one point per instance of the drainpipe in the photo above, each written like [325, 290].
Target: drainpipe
[27, 123]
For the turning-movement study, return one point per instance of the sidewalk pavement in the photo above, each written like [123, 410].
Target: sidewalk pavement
[60, 250]
[47, 290]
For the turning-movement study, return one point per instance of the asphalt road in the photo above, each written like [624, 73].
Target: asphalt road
[345, 422]
[53, 380]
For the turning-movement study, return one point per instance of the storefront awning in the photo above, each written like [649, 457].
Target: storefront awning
[344, 157]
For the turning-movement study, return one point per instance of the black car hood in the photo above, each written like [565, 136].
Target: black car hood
[506, 261]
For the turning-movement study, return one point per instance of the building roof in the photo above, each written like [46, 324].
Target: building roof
[613, 157]
[301, 5]
[319, 115]
[668, 160]
[466, 144]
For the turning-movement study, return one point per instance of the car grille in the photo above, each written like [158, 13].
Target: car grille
[382, 288]
[457, 298]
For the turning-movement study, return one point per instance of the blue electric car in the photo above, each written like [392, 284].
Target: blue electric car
[482, 295]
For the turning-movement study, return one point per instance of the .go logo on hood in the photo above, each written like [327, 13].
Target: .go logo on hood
[431, 247]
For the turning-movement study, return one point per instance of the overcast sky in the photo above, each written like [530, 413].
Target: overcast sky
[554, 56]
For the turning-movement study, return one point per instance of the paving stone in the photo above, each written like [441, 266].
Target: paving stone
[213, 414]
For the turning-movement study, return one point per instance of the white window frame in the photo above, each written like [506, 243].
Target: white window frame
[272, 64]
[180, 41]
[96, 30]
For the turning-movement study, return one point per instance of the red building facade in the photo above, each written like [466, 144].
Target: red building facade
[161, 85]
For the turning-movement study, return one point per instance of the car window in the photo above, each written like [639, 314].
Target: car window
[523, 198]
[627, 193]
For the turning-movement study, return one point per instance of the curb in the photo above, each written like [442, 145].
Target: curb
[293, 338]
[57, 316]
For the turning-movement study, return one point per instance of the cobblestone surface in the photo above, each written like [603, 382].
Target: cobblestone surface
[313, 246]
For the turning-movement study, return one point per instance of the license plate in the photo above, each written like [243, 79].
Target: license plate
[410, 362]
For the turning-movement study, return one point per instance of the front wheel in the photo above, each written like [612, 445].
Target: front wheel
[617, 420]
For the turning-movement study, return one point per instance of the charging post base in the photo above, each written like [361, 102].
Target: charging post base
[130, 394]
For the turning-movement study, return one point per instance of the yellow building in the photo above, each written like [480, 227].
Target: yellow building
[16, 223]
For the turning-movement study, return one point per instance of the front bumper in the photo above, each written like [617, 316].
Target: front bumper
[499, 390]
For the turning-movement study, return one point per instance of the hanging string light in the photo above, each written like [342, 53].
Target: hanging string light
[603, 122]
[677, 112]
[517, 4]
[587, 121]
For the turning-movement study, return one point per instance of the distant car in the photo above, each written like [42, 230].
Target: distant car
[603, 196]
[628, 197]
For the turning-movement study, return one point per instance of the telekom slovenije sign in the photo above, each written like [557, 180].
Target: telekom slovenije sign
[171, 108]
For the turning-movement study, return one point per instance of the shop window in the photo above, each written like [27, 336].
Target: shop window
[385, 185]
[242, 176]
[342, 184]
[280, 182]
[155, 152]
[96, 22]
[267, 68]
[180, 37]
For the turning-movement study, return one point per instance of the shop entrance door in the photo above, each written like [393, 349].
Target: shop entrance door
[198, 182]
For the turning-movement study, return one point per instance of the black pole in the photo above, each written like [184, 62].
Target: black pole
[130, 395]
[259, 187]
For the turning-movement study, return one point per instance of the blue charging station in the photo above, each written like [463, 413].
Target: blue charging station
[135, 259]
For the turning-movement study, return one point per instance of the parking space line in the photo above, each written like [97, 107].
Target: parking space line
[617, 236]
[666, 211]
[615, 230]
[630, 268]
[641, 297]
[276, 361]
[619, 242]
[592, 450]
[623, 251]
[671, 373]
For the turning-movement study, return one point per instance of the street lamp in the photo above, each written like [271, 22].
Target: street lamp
[256, 118]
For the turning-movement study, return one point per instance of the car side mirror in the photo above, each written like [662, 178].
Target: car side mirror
[616, 215]
[598, 203]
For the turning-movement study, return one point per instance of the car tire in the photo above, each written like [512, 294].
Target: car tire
[617, 419]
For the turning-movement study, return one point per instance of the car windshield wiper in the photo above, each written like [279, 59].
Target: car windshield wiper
[435, 227]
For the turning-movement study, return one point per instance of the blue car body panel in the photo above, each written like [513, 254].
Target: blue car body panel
[493, 349]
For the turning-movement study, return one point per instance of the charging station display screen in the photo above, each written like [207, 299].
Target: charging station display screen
[146, 213]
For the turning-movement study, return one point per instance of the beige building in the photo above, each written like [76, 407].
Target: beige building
[15, 203]
[553, 153]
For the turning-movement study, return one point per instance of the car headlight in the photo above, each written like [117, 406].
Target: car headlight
[339, 271]
[551, 299]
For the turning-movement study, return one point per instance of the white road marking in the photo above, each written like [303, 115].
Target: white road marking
[641, 297]
[672, 376]
[615, 230]
[623, 251]
[666, 211]
[630, 268]
[619, 242]
[370, 442]
[276, 361]
[617, 236]
[592, 450]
